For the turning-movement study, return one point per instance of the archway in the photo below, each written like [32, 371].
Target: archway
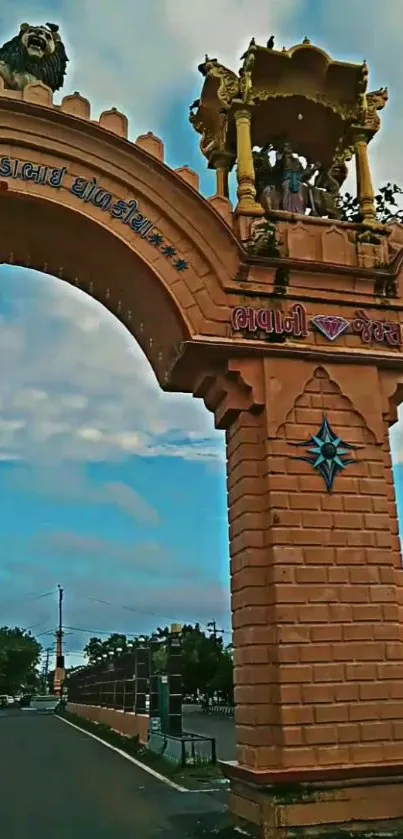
[302, 559]
[163, 232]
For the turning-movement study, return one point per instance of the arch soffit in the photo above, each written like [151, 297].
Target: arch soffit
[50, 137]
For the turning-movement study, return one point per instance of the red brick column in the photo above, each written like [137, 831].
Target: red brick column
[315, 583]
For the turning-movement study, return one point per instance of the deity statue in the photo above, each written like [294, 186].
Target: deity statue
[286, 184]
[294, 178]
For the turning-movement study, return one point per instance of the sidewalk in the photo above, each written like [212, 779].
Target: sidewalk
[212, 725]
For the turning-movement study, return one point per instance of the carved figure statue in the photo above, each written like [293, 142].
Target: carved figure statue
[286, 184]
[323, 196]
[267, 185]
[36, 54]
[294, 177]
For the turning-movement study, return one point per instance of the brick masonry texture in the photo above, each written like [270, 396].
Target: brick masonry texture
[316, 583]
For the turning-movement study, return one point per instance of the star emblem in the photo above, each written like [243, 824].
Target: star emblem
[326, 452]
[181, 265]
[168, 250]
[156, 239]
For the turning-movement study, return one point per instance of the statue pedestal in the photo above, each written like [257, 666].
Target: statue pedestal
[282, 805]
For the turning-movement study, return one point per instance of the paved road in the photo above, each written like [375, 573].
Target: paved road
[212, 725]
[57, 781]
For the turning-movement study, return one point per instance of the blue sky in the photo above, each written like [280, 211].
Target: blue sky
[109, 487]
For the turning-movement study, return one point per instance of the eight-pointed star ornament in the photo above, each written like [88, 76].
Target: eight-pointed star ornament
[326, 453]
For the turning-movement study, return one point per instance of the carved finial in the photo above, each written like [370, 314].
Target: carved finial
[270, 43]
[306, 40]
[252, 43]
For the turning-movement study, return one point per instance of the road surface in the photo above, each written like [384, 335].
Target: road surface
[55, 781]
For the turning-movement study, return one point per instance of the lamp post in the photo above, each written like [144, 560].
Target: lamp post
[175, 680]
[142, 673]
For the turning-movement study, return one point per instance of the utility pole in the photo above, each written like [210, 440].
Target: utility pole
[59, 670]
[214, 631]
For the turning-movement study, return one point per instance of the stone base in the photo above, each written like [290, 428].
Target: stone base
[361, 808]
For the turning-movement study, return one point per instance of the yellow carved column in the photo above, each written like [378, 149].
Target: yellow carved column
[222, 181]
[365, 190]
[222, 162]
[245, 170]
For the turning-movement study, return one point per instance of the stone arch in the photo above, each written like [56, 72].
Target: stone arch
[164, 280]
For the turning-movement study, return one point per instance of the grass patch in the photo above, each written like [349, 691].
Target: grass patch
[191, 777]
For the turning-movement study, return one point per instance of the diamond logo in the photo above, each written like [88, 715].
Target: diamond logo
[331, 326]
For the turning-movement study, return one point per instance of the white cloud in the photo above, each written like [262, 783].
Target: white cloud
[146, 54]
[69, 392]
[373, 35]
[146, 57]
[67, 483]
[93, 396]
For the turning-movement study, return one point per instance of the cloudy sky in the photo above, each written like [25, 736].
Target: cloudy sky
[109, 487]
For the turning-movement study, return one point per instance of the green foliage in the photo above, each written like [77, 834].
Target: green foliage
[96, 647]
[207, 664]
[223, 680]
[19, 657]
[387, 206]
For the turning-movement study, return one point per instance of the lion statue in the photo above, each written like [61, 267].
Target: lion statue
[36, 54]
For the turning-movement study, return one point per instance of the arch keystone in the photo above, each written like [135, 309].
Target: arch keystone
[113, 120]
[76, 105]
[149, 142]
[190, 176]
[38, 93]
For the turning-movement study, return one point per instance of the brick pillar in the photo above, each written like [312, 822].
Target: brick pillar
[316, 582]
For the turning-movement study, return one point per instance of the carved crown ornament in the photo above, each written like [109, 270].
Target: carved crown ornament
[301, 94]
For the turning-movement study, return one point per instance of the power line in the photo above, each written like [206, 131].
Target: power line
[31, 596]
[144, 612]
[45, 632]
[108, 632]
[35, 626]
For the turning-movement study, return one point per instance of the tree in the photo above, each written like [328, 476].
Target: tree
[93, 649]
[117, 641]
[387, 207]
[19, 658]
[201, 657]
[96, 647]
[223, 680]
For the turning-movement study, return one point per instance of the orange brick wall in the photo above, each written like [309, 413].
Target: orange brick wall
[130, 725]
[315, 591]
